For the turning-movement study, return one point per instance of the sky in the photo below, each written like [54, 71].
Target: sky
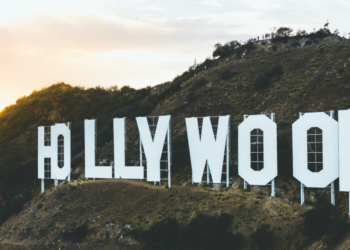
[135, 42]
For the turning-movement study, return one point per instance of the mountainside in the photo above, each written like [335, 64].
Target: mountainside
[284, 81]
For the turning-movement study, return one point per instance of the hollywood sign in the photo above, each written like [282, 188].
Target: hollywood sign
[320, 150]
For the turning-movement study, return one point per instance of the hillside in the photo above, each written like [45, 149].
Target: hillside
[312, 78]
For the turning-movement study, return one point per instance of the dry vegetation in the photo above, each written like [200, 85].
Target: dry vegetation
[315, 78]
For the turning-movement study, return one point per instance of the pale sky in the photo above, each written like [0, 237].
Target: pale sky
[134, 42]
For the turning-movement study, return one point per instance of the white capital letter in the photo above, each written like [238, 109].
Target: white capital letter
[92, 171]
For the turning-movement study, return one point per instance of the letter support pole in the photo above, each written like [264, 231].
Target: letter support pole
[208, 180]
[245, 183]
[302, 196]
[42, 185]
[273, 188]
[56, 182]
[169, 155]
[273, 194]
[349, 205]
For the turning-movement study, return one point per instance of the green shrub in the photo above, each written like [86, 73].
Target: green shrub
[190, 95]
[263, 237]
[17, 203]
[308, 42]
[27, 194]
[226, 74]
[81, 232]
[144, 109]
[203, 232]
[317, 220]
[262, 82]
[40, 205]
[5, 213]
[336, 230]
[295, 44]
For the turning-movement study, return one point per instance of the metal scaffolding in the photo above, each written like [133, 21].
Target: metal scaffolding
[225, 179]
[166, 158]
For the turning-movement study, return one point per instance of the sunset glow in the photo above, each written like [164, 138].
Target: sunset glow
[134, 42]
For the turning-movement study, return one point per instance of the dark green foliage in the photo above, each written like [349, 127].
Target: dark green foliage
[338, 227]
[80, 232]
[27, 194]
[175, 87]
[274, 48]
[144, 109]
[276, 71]
[300, 33]
[283, 32]
[190, 95]
[262, 82]
[317, 220]
[226, 74]
[285, 156]
[40, 205]
[263, 237]
[180, 153]
[17, 203]
[225, 50]
[5, 212]
[203, 232]
[308, 42]
[323, 32]
[295, 44]
[76, 161]
[199, 82]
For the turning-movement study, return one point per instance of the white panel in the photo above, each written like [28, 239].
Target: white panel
[153, 149]
[56, 172]
[344, 150]
[120, 170]
[329, 129]
[92, 171]
[269, 128]
[207, 148]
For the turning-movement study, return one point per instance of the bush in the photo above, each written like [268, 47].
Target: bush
[226, 74]
[317, 220]
[276, 71]
[203, 232]
[40, 205]
[190, 95]
[295, 44]
[17, 203]
[262, 82]
[285, 156]
[336, 230]
[5, 213]
[308, 42]
[144, 109]
[81, 232]
[263, 236]
[274, 48]
[27, 194]
[284, 32]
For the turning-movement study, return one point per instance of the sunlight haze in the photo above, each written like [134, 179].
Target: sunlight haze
[134, 42]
